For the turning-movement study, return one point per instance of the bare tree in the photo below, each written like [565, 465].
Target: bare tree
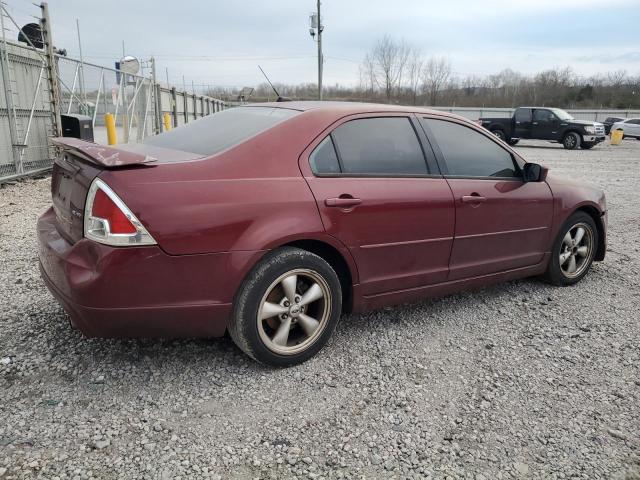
[617, 78]
[435, 76]
[414, 73]
[386, 63]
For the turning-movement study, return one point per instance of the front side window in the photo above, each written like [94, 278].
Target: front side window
[379, 146]
[468, 153]
[543, 116]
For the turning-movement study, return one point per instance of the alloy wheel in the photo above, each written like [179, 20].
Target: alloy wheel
[576, 250]
[294, 311]
[570, 141]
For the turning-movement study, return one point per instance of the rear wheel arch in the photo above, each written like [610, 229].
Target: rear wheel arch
[337, 261]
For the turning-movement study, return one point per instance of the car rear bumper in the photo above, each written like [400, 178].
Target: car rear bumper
[139, 291]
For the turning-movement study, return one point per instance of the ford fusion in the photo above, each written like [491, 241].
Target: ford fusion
[269, 221]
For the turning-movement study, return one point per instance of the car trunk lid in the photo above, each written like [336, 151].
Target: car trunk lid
[80, 162]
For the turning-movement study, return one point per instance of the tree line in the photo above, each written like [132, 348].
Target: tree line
[394, 71]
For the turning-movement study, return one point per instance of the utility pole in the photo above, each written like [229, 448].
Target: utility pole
[319, 54]
[317, 27]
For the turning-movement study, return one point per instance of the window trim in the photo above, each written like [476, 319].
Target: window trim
[430, 163]
[442, 163]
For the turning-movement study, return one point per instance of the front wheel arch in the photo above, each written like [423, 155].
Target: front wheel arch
[571, 132]
[594, 213]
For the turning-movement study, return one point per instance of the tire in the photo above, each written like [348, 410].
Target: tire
[287, 337]
[587, 145]
[559, 268]
[571, 141]
[513, 141]
[500, 134]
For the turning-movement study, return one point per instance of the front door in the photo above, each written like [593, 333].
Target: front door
[502, 223]
[379, 196]
[545, 124]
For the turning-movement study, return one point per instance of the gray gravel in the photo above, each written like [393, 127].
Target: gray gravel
[521, 380]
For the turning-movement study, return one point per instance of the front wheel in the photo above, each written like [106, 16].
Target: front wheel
[587, 145]
[287, 308]
[571, 141]
[573, 250]
[513, 141]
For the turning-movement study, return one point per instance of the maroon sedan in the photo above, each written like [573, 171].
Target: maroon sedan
[271, 220]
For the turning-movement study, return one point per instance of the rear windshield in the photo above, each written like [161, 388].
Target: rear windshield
[217, 132]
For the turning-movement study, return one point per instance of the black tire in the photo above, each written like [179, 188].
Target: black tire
[587, 145]
[555, 273]
[248, 333]
[571, 141]
[514, 141]
[500, 134]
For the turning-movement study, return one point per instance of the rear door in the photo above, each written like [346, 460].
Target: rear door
[382, 197]
[502, 223]
[522, 123]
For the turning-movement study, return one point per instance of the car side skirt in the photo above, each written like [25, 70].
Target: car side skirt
[372, 302]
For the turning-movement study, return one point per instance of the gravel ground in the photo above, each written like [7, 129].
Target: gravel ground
[521, 380]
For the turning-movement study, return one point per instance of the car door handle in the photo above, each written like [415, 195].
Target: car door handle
[342, 202]
[534, 123]
[473, 199]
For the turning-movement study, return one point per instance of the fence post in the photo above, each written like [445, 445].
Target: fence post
[174, 107]
[52, 70]
[157, 107]
[185, 103]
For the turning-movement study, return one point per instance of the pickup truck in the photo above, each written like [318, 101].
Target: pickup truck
[542, 123]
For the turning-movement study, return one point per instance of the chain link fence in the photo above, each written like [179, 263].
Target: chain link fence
[38, 85]
[25, 111]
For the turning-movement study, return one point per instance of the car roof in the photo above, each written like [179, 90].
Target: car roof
[348, 107]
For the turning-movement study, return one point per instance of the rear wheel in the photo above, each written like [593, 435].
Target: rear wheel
[513, 141]
[587, 145]
[573, 250]
[571, 141]
[500, 134]
[287, 308]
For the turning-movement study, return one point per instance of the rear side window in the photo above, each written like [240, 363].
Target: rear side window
[523, 115]
[379, 146]
[324, 158]
[214, 133]
[468, 153]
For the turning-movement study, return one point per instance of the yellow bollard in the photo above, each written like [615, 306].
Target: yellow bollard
[110, 123]
[167, 121]
[616, 137]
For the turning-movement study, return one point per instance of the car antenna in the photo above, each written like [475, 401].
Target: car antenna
[280, 99]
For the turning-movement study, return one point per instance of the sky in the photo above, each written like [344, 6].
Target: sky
[221, 42]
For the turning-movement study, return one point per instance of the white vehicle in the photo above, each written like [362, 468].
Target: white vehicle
[630, 127]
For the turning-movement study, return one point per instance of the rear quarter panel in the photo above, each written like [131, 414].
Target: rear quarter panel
[251, 197]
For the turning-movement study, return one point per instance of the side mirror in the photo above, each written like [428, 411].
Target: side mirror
[534, 172]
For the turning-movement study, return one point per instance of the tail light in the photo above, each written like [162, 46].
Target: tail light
[108, 220]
